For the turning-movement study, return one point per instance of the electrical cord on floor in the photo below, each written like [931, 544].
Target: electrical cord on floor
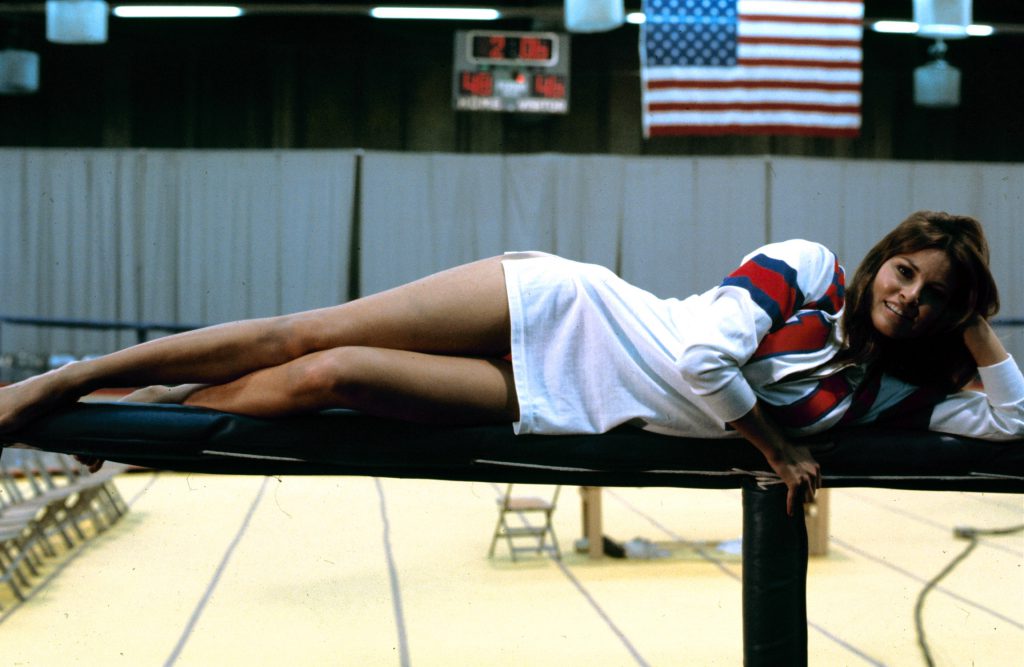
[964, 533]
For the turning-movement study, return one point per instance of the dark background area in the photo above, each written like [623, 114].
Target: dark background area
[335, 80]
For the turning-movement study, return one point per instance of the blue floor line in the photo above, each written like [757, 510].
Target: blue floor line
[725, 568]
[845, 644]
[924, 581]
[70, 559]
[588, 597]
[396, 589]
[600, 612]
[212, 586]
[945, 528]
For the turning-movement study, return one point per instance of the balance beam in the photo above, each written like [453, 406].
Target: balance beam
[187, 439]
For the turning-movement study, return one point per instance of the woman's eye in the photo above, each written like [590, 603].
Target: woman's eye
[904, 270]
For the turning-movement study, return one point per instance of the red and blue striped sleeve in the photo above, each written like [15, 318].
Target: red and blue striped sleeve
[770, 287]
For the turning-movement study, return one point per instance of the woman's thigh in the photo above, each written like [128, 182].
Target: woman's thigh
[463, 310]
[426, 388]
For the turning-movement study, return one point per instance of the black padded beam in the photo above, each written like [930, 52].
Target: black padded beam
[346, 443]
[172, 437]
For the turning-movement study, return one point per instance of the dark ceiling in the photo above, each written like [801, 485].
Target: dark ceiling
[984, 11]
[21, 20]
[333, 65]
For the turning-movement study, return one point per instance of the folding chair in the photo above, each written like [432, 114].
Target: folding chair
[20, 537]
[18, 550]
[522, 507]
[43, 500]
[93, 495]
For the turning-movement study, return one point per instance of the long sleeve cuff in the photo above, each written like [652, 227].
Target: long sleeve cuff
[1004, 383]
[733, 400]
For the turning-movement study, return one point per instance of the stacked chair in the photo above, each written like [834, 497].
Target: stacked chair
[49, 501]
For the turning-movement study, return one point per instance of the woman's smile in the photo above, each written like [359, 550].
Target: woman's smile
[910, 292]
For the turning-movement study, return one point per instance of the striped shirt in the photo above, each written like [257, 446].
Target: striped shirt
[792, 293]
[591, 352]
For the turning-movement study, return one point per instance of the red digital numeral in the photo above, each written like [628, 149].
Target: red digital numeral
[497, 47]
[531, 48]
[548, 85]
[480, 84]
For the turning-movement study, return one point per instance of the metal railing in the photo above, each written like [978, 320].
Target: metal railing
[16, 366]
[141, 329]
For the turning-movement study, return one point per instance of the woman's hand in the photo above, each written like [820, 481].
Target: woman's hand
[794, 465]
[983, 344]
[798, 470]
[92, 463]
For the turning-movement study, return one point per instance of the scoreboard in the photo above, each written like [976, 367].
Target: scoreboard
[511, 71]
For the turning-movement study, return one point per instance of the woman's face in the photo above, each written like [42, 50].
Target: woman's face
[910, 293]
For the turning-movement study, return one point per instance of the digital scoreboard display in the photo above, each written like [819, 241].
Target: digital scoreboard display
[511, 71]
[491, 48]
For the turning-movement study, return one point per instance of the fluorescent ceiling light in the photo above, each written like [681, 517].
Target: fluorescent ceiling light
[895, 27]
[911, 28]
[447, 13]
[940, 30]
[177, 11]
[979, 30]
[636, 18]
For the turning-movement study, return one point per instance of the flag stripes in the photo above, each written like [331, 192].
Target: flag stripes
[752, 67]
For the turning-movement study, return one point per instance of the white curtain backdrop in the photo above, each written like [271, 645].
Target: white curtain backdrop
[850, 204]
[423, 213]
[198, 237]
[689, 222]
[168, 236]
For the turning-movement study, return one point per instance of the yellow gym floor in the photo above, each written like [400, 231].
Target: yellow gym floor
[221, 570]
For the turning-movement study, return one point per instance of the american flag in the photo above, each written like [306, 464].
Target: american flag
[751, 67]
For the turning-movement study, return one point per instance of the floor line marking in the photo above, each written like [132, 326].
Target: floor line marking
[215, 581]
[396, 588]
[600, 612]
[923, 580]
[594, 604]
[946, 528]
[725, 568]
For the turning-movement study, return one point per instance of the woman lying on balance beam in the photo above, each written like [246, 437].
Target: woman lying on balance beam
[781, 348]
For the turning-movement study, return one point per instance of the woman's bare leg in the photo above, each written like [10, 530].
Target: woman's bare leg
[406, 385]
[462, 311]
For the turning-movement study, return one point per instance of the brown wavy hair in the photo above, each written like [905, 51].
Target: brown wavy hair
[939, 358]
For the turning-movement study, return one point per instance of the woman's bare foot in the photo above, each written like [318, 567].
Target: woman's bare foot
[162, 394]
[153, 394]
[23, 401]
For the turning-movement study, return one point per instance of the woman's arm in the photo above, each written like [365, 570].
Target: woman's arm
[793, 464]
[771, 285]
[996, 412]
[983, 344]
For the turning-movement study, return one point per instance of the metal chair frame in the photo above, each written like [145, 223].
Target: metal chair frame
[522, 507]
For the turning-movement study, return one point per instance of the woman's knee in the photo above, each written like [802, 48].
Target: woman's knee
[297, 334]
[344, 376]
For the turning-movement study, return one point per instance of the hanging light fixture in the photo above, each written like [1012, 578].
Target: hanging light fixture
[77, 21]
[19, 72]
[593, 15]
[937, 83]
